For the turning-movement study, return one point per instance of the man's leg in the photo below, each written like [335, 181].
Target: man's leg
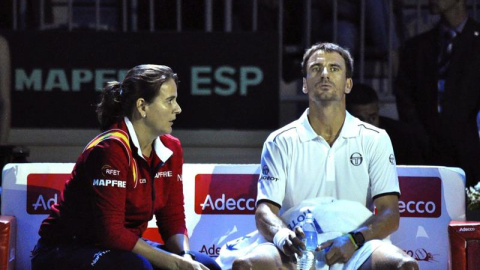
[388, 257]
[264, 256]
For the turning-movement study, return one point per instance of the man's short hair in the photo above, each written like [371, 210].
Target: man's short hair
[329, 47]
[361, 94]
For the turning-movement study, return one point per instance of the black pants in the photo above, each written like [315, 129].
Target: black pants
[74, 256]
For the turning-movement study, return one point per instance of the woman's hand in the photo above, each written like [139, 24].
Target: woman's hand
[166, 260]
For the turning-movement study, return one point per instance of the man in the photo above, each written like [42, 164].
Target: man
[362, 102]
[327, 153]
[438, 88]
[4, 90]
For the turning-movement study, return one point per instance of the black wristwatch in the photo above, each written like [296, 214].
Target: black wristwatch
[187, 252]
[358, 237]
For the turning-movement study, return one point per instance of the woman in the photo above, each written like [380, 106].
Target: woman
[124, 176]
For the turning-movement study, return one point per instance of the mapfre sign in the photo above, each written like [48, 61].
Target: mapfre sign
[69, 69]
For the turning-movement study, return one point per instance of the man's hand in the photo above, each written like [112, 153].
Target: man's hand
[188, 257]
[290, 242]
[338, 250]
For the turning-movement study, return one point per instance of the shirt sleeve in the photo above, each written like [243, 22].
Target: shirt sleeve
[108, 169]
[272, 179]
[382, 167]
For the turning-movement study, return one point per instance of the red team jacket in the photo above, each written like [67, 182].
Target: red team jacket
[113, 193]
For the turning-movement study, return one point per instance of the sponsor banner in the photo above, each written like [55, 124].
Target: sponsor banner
[421, 197]
[226, 79]
[211, 250]
[225, 193]
[232, 190]
[430, 198]
[464, 244]
[44, 190]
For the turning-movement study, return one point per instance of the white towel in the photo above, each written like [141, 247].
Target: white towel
[332, 218]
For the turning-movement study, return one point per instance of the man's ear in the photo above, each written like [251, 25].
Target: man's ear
[348, 85]
[304, 86]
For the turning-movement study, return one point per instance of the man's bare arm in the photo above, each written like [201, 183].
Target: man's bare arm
[385, 221]
[267, 220]
[271, 226]
[377, 226]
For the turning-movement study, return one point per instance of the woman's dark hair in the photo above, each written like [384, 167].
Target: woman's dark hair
[329, 47]
[119, 99]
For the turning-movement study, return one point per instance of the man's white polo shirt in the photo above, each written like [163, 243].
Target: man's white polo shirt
[298, 164]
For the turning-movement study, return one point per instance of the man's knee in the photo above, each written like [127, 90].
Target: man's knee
[241, 264]
[390, 257]
[264, 257]
[408, 263]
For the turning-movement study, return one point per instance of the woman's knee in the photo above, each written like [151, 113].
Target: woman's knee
[120, 260]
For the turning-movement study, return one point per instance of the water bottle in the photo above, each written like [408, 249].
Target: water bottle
[307, 260]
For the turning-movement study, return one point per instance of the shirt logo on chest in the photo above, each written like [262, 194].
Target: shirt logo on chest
[356, 159]
[109, 183]
[164, 174]
[391, 158]
[107, 171]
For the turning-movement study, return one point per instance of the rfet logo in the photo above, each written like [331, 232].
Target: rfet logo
[225, 193]
[421, 197]
[43, 190]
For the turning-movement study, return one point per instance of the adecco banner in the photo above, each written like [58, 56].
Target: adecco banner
[225, 193]
[421, 196]
[227, 80]
[43, 191]
[219, 203]
[431, 197]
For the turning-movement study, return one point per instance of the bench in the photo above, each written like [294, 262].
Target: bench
[220, 201]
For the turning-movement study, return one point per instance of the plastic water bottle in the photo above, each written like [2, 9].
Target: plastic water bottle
[307, 260]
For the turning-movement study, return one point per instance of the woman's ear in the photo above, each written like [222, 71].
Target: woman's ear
[141, 107]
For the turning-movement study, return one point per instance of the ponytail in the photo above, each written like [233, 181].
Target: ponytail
[109, 110]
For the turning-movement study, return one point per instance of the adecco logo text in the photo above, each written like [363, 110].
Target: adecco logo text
[421, 197]
[43, 190]
[225, 193]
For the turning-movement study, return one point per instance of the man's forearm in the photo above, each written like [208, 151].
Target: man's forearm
[378, 227]
[384, 223]
[268, 222]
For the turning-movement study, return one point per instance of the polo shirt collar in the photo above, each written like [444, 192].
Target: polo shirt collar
[350, 127]
[304, 129]
[161, 150]
[306, 132]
